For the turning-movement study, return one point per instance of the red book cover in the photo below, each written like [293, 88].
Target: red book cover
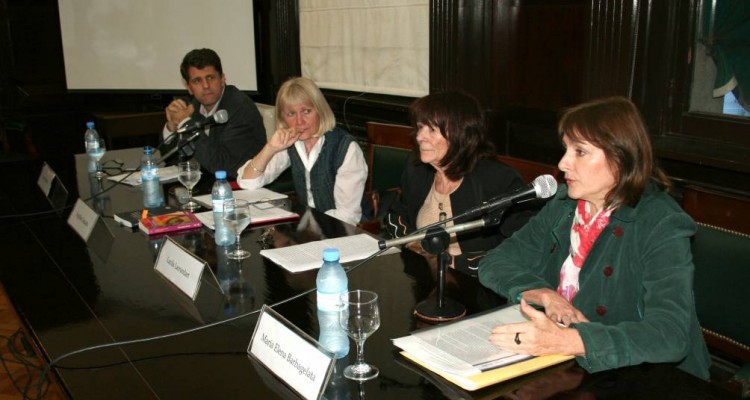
[171, 222]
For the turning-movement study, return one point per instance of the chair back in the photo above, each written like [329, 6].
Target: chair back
[388, 151]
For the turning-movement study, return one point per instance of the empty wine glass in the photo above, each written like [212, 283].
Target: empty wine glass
[189, 173]
[359, 317]
[237, 218]
[97, 153]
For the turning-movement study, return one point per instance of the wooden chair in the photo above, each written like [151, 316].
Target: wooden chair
[716, 208]
[722, 273]
[388, 150]
[529, 170]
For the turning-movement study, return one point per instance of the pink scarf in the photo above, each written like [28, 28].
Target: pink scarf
[586, 228]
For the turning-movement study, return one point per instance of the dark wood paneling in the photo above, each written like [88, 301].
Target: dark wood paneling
[546, 71]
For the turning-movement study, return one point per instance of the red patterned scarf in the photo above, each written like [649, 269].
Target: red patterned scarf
[586, 228]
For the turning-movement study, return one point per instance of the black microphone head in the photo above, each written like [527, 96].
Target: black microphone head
[545, 186]
[221, 116]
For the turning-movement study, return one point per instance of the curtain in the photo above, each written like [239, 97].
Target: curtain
[375, 46]
[727, 28]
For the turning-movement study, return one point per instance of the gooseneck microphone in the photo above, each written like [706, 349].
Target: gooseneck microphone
[219, 117]
[543, 186]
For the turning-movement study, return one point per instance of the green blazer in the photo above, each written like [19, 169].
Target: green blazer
[636, 286]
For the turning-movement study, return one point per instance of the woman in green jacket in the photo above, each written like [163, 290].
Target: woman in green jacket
[607, 259]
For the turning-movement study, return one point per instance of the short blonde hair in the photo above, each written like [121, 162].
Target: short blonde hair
[300, 90]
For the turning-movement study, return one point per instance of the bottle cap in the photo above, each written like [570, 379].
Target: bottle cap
[90, 124]
[148, 150]
[221, 174]
[330, 254]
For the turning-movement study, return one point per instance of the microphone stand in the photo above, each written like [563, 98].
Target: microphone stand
[435, 240]
[180, 144]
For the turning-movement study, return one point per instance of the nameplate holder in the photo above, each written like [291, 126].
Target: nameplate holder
[180, 267]
[290, 354]
[82, 219]
[45, 179]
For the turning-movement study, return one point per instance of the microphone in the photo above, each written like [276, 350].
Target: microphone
[542, 187]
[219, 117]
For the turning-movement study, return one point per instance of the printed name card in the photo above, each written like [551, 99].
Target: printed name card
[45, 179]
[82, 219]
[291, 354]
[180, 267]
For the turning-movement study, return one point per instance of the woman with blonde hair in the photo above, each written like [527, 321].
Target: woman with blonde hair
[328, 166]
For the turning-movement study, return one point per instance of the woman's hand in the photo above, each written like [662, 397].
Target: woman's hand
[538, 336]
[557, 308]
[282, 139]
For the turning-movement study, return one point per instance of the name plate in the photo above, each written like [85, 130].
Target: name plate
[82, 219]
[45, 179]
[290, 354]
[180, 267]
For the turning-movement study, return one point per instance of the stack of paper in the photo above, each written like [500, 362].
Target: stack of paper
[166, 174]
[260, 195]
[260, 213]
[461, 352]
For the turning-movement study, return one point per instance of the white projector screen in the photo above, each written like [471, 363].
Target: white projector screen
[139, 44]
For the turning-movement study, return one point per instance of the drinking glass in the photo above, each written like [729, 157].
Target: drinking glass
[189, 173]
[359, 317]
[237, 217]
[97, 153]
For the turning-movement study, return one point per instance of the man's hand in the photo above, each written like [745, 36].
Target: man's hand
[177, 111]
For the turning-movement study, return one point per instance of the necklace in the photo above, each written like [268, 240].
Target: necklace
[442, 198]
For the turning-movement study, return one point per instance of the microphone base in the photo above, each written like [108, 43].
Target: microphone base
[428, 310]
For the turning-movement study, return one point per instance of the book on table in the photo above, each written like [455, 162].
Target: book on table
[178, 220]
[461, 353]
[132, 218]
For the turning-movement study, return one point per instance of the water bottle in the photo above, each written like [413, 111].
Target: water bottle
[152, 192]
[221, 191]
[91, 142]
[331, 283]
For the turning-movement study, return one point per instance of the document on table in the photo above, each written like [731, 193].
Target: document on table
[463, 348]
[307, 256]
[461, 353]
[260, 213]
[166, 174]
[259, 195]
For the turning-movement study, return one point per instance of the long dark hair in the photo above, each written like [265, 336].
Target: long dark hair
[460, 120]
[615, 125]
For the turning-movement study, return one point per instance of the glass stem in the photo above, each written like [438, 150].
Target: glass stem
[238, 244]
[360, 351]
[190, 195]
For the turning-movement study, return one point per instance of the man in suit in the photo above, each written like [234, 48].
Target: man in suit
[220, 146]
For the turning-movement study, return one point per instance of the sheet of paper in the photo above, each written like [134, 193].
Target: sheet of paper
[307, 256]
[462, 348]
[166, 174]
[260, 195]
[259, 213]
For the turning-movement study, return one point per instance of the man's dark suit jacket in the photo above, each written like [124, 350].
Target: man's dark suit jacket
[231, 144]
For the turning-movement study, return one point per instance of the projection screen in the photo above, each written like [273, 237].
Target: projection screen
[139, 44]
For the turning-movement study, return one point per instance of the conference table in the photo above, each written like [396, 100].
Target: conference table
[72, 295]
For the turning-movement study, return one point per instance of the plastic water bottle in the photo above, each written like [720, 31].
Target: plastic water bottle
[91, 142]
[221, 191]
[331, 283]
[153, 196]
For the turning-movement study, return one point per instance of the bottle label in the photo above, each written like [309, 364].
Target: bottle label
[329, 301]
[91, 145]
[218, 206]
